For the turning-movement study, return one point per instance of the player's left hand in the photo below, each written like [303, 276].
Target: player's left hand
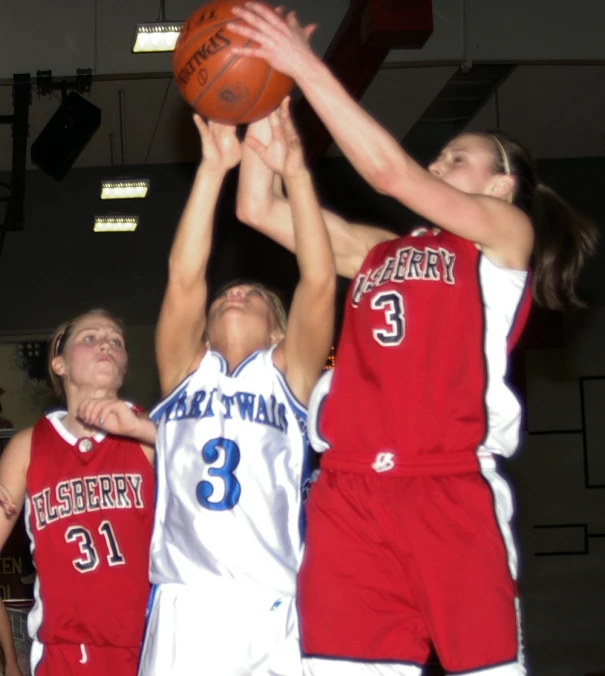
[110, 415]
[284, 43]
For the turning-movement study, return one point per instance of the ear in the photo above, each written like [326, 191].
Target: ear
[57, 364]
[276, 337]
[503, 187]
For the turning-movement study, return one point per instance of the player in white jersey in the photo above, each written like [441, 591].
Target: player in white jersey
[231, 443]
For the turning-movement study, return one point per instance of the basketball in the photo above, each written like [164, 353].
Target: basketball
[216, 83]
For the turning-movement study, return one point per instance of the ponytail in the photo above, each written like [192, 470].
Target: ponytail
[564, 241]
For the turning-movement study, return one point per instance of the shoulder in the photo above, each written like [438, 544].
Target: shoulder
[18, 450]
[513, 249]
[22, 440]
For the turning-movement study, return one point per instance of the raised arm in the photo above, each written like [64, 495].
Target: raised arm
[375, 154]
[265, 209]
[182, 318]
[303, 352]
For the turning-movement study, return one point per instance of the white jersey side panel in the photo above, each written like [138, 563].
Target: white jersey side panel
[231, 463]
[502, 292]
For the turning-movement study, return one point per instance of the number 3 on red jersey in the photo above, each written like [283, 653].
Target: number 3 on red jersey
[391, 304]
[90, 558]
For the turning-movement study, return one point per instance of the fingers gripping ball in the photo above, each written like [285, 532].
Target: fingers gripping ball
[218, 84]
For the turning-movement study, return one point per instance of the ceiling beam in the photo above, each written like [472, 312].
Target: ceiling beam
[462, 97]
[19, 120]
[369, 30]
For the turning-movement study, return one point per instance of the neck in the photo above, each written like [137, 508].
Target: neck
[235, 349]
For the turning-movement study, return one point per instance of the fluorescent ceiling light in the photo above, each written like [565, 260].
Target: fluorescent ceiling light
[160, 36]
[116, 223]
[123, 190]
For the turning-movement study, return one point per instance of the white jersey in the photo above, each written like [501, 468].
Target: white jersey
[502, 290]
[232, 465]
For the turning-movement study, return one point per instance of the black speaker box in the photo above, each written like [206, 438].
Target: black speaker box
[65, 136]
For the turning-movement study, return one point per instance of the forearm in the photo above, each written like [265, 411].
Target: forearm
[145, 431]
[312, 243]
[255, 190]
[373, 152]
[192, 243]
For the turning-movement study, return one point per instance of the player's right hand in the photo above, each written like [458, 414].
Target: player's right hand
[221, 149]
[6, 502]
[110, 415]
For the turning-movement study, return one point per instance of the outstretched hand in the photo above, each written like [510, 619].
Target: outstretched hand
[221, 149]
[283, 154]
[284, 43]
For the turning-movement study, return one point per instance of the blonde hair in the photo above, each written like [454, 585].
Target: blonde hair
[59, 338]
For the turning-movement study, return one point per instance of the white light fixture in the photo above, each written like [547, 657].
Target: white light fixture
[124, 189]
[116, 223]
[160, 36]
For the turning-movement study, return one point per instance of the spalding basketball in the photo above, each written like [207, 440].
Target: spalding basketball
[215, 82]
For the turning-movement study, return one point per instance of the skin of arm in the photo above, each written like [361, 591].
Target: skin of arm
[182, 320]
[490, 222]
[262, 206]
[115, 416]
[302, 353]
[13, 470]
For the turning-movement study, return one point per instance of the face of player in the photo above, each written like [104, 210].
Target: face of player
[94, 356]
[243, 307]
[467, 163]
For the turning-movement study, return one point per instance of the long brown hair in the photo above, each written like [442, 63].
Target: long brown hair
[564, 239]
[59, 338]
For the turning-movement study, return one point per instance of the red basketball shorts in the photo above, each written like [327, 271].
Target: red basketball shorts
[69, 659]
[393, 565]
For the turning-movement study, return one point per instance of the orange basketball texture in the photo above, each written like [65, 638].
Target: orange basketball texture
[215, 82]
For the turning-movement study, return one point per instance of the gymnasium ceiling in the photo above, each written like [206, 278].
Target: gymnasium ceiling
[553, 97]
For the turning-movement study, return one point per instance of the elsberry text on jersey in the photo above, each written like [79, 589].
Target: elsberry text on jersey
[245, 405]
[87, 494]
[407, 264]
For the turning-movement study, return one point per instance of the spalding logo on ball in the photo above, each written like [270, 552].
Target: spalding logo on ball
[215, 82]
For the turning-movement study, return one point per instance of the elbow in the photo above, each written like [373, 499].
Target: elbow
[388, 170]
[250, 209]
[245, 213]
[382, 178]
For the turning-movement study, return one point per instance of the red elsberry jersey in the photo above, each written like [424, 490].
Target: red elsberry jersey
[420, 379]
[89, 513]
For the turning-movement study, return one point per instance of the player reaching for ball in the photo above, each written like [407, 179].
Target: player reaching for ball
[214, 81]
[407, 544]
[231, 451]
